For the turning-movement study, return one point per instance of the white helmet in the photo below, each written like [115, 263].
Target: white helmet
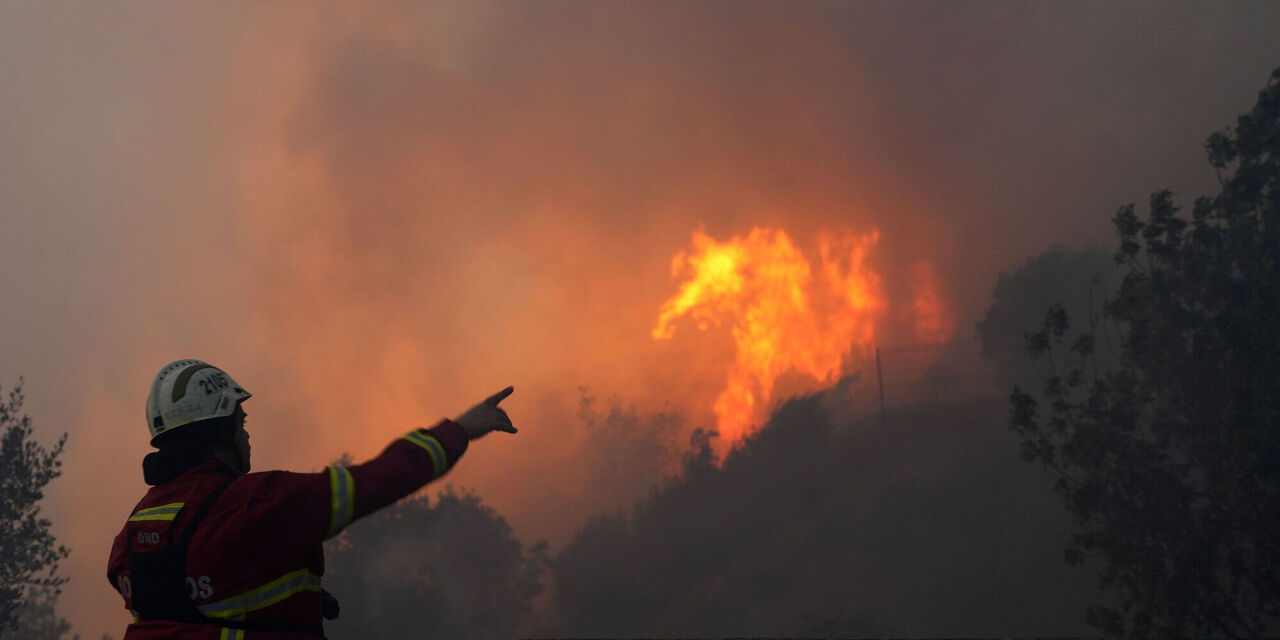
[187, 391]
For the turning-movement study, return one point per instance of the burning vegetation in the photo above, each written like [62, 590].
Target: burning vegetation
[783, 317]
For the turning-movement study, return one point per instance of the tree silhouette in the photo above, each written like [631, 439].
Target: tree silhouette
[450, 570]
[29, 554]
[1171, 462]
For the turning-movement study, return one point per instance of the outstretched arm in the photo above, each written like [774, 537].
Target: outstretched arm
[321, 504]
[420, 456]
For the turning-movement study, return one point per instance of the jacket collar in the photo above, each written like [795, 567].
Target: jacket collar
[159, 467]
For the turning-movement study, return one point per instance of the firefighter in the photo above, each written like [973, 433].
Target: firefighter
[215, 552]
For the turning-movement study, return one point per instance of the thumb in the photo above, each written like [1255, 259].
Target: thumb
[503, 421]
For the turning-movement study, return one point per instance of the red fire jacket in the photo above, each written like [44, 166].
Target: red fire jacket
[257, 555]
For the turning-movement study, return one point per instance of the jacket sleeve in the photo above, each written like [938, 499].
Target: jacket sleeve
[418, 457]
[322, 504]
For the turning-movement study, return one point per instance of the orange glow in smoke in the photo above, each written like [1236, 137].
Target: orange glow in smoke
[934, 321]
[763, 285]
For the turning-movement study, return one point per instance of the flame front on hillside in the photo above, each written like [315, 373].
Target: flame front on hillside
[762, 285]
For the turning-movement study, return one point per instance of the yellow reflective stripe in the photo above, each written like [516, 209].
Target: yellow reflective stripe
[162, 512]
[278, 590]
[433, 447]
[232, 634]
[158, 516]
[342, 492]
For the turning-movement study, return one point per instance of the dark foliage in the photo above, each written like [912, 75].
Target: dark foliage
[29, 554]
[1171, 463]
[449, 570]
[825, 524]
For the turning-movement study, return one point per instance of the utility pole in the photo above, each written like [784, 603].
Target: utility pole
[880, 378]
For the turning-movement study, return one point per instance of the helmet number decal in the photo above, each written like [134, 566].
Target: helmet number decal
[213, 383]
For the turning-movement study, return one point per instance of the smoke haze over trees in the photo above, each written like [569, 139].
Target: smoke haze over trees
[823, 523]
[632, 453]
[452, 569]
[1077, 280]
[38, 618]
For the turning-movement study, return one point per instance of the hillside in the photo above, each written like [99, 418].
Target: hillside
[824, 523]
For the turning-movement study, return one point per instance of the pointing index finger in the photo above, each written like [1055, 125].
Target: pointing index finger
[499, 396]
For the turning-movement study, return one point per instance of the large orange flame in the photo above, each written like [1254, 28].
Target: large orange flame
[762, 284]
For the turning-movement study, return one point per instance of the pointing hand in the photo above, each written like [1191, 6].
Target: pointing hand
[487, 416]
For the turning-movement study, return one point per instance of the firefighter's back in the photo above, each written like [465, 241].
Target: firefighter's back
[254, 557]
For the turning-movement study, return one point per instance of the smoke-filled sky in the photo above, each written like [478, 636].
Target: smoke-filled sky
[372, 217]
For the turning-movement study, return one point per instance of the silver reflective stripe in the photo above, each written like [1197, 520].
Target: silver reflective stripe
[268, 594]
